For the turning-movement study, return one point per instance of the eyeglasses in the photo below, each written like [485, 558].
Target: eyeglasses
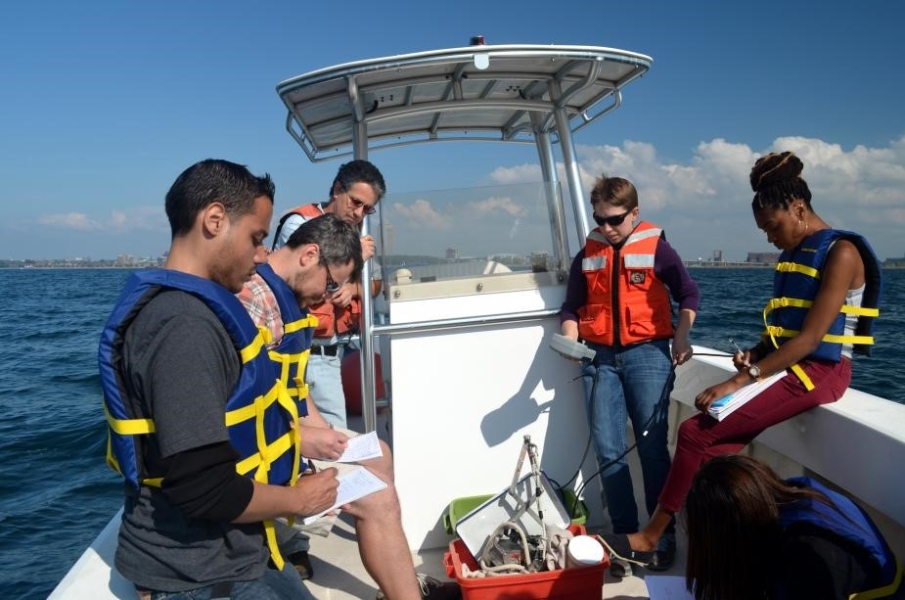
[332, 286]
[358, 204]
[613, 221]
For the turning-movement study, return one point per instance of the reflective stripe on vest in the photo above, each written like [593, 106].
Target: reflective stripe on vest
[644, 309]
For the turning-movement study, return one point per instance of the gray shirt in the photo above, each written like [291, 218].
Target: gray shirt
[181, 366]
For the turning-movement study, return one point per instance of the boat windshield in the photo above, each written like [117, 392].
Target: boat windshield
[448, 234]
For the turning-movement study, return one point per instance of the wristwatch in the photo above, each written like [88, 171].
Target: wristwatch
[754, 372]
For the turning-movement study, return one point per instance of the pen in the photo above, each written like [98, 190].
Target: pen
[740, 351]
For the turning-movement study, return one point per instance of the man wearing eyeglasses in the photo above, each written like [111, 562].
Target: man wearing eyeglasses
[355, 192]
[320, 256]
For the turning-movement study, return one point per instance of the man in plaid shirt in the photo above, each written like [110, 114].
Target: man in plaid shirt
[319, 257]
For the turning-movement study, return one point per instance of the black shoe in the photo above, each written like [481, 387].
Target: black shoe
[618, 546]
[434, 589]
[664, 555]
[302, 564]
[620, 569]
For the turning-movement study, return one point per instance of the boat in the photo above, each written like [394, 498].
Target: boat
[466, 343]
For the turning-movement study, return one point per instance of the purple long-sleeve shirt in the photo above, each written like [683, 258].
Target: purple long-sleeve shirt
[668, 267]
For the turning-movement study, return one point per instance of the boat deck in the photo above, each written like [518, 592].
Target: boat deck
[340, 575]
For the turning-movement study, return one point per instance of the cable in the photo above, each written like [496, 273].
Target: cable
[662, 403]
[587, 446]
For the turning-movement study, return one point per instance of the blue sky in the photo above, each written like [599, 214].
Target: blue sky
[104, 103]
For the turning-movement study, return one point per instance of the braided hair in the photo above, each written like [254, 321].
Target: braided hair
[776, 181]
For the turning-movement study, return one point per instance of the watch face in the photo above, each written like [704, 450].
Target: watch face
[754, 371]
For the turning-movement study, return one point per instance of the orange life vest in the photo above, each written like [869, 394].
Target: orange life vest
[626, 301]
[331, 319]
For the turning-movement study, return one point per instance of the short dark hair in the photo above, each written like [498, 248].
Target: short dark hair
[359, 171]
[214, 180]
[616, 191]
[339, 242]
[776, 181]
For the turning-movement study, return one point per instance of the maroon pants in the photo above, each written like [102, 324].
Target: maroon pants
[702, 437]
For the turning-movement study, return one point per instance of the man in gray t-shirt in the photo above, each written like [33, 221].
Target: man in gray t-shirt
[200, 530]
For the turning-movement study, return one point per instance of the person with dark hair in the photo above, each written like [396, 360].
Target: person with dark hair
[752, 536]
[826, 291]
[318, 257]
[618, 302]
[181, 367]
[355, 192]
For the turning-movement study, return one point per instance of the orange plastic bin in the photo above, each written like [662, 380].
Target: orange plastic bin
[583, 583]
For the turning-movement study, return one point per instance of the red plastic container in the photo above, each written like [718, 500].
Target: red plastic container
[583, 583]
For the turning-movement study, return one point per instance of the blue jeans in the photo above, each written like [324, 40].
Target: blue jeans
[630, 383]
[272, 585]
[326, 387]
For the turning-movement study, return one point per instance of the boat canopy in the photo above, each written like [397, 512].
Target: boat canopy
[519, 93]
[501, 93]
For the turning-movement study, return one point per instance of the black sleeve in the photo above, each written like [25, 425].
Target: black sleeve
[204, 484]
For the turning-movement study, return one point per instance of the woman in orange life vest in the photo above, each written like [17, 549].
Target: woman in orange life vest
[825, 295]
[618, 302]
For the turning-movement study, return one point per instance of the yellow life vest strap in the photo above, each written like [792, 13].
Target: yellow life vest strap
[881, 592]
[287, 362]
[249, 352]
[774, 332]
[129, 426]
[303, 323]
[782, 332]
[796, 368]
[790, 267]
[784, 301]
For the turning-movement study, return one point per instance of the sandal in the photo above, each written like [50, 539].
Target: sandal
[618, 546]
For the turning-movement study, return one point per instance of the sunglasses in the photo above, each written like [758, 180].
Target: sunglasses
[614, 221]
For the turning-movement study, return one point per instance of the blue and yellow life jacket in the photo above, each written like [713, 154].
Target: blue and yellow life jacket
[850, 523]
[795, 285]
[291, 355]
[260, 415]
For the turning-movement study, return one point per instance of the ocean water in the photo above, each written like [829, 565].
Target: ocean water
[56, 493]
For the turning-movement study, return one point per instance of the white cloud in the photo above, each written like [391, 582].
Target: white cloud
[496, 205]
[120, 221]
[421, 214]
[517, 174]
[75, 221]
[704, 203]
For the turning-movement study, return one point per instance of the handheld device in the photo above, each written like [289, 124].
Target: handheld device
[571, 349]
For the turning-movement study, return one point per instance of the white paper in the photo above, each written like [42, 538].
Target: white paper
[667, 587]
[721, 407]
[361, 447]
[353, 485]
